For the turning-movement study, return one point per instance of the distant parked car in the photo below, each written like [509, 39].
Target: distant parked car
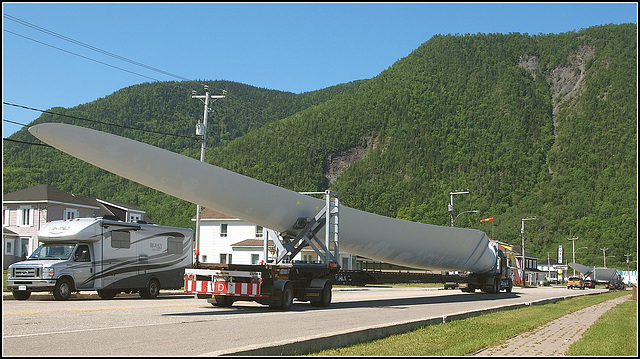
[575, 282]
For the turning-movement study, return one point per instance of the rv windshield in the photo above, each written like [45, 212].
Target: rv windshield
[52, 251]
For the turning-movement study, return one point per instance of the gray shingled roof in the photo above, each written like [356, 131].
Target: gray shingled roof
[207, 213]
[42, 193]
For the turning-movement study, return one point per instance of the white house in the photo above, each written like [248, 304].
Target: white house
[227, 239]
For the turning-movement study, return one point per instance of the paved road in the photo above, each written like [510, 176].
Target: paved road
[180, 325]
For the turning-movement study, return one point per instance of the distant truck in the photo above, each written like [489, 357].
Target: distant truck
[106, 255]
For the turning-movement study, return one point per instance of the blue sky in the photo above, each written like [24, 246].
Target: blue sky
[289, 47]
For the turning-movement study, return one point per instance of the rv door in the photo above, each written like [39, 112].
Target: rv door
[83, 266]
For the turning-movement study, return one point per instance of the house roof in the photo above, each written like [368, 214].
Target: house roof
[123, 206]
[8, 233]
[208, 213]
[44, 193]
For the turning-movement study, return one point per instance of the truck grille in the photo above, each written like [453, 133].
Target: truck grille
[26, 272]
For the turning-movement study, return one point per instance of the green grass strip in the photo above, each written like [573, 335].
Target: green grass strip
[615, 333]
[466, 336]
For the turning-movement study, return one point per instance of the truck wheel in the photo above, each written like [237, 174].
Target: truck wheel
[510, 286]
[287, 297]
[325, 296]
[222, 301]
[106, 293]
[152, 290]
[21, 294]
[62, 290]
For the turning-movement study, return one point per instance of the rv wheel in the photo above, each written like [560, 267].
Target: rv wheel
[152, 290]
[21, 294]
[106, 293]
[62, 290]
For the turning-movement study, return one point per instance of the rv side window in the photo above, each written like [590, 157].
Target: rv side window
[82, 254]
[174, 245]
[120, 239]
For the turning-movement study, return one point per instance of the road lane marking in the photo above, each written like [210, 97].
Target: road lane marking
[98, 309]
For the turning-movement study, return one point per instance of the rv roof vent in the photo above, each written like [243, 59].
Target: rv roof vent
[111, 217]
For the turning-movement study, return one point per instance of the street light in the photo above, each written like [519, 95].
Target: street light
[524, 282]
[453, 219]
[474, 211]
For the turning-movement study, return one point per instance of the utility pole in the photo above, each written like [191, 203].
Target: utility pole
[573, 247]
[524, 281]
[201, 130]
[604, 255]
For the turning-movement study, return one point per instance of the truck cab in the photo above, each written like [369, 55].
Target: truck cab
[60, 268]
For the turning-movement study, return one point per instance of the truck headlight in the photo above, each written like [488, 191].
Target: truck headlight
[48, 272]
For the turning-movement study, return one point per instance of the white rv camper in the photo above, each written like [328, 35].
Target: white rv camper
[106, 255]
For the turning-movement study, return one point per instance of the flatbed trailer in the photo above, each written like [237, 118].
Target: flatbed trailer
[279, 282]
[487, 282]
[275, 285]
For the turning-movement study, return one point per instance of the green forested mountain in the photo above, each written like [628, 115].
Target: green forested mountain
[542, 126]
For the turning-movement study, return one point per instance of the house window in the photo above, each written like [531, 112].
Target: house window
[258, 231]
[24, 216]
[223, 230]
[5, 217]
[71, 213]
[255, 258]
[225, 258]
[135, 217]
[8, 249]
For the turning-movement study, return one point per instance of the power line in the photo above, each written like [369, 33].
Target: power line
[96, 121]
[90, 47]
[26, 143]
[84, 57]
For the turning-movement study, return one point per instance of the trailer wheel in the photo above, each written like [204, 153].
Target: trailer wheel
[62, 290]
[152, 290]
[286, 297]
[325, 296]
[222, 301]
[21, 294]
